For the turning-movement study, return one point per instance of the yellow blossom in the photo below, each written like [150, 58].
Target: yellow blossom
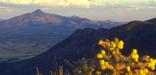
[101, 42]
[134, 51]
[128, 68]
[121, 44]
[99, 56]
[112, 46]
[102, 62]
[108, 60]
[139, 63]
[146, 71]
[152, 64]
[103, 67]
[103, 52]
[143, 72]
[154, 60]
[134, 55]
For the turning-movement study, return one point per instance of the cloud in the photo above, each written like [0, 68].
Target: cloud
[62, 3]
[80, 3]
[6, 9]
[3, 7]
[50, 3]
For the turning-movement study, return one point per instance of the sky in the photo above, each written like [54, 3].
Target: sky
[115, 10]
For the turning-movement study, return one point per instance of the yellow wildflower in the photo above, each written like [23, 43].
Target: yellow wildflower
[128, 68]
[103, 52]
[102, 62]
[146, 71]
[112, 46]
[99, 56]
[114, 56]
[104, 43]
[134, 55]
[121, 44]
[143, 72]
[152, 64]
[154, 60]
[103, 67]
[100, 42]
[111, 49]
[139, 63]
[134, 51]
[106, 63]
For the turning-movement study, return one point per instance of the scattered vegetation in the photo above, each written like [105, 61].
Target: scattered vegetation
[110, 61]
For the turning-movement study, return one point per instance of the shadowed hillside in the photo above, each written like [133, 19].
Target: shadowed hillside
[83, 43]
[30, 34]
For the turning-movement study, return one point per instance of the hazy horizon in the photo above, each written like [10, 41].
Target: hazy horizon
[115, 10]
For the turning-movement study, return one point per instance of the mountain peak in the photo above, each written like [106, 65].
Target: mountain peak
[38, 12]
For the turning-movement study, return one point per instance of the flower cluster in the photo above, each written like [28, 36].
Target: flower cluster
[134, 55]
[105, 65]
[111, 58]
[152, 64]
[102, 54]
[112, 45]
[143, 72]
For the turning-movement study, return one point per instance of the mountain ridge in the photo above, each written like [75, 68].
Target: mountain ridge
[40, 17]
[83, 43]
[30, 34]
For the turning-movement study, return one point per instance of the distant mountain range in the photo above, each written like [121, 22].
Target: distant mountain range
[83, 43]
[39, 17]
[30, 34]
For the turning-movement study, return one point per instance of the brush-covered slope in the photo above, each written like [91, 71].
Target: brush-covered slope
[83, 43]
